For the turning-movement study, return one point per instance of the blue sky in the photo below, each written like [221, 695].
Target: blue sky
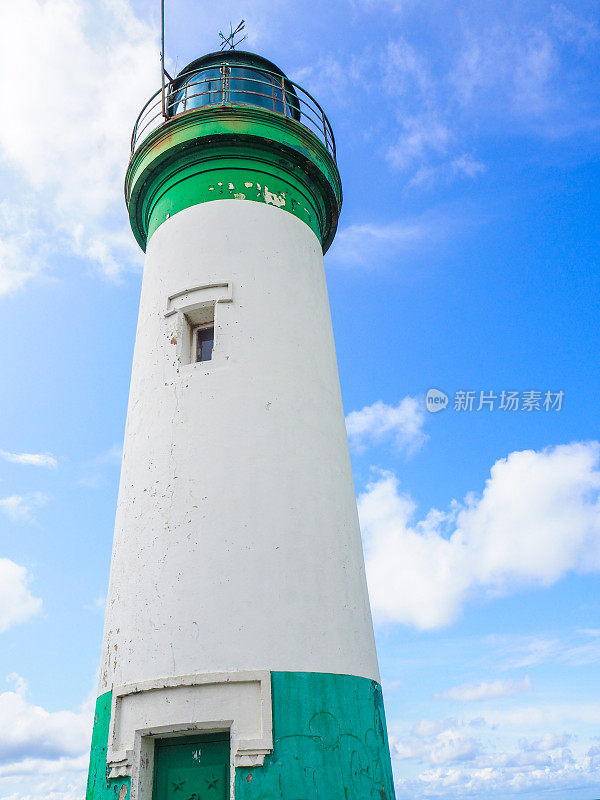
[466, 260]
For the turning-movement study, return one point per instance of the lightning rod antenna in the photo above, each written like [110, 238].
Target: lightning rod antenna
[162, 57]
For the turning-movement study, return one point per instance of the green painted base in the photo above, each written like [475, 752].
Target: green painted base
[330, 742]
[329, 736]
[97, 786]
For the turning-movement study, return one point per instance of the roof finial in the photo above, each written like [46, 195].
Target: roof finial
[228, 41]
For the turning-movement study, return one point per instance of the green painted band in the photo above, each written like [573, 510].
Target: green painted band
[329, 741]
[238, 153]
[98, 785]
[224, 174]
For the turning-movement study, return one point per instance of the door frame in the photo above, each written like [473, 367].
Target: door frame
[142, 788]
[200, 703]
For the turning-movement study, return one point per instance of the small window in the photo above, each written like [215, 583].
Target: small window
[198, 340]
[203, 341]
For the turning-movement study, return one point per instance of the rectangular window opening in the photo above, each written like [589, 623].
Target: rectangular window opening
[203, 339]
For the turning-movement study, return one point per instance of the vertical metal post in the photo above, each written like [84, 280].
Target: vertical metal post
[226, 85]
[162, 57]
[283, 93]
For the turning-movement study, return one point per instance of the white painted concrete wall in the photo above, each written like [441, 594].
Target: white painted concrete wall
[237, 544]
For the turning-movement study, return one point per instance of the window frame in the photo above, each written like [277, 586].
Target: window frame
[194, 349]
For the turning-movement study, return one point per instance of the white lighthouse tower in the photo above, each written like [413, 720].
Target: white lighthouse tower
[238, 657]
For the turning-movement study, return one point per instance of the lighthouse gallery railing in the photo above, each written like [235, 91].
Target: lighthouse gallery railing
[202, 88]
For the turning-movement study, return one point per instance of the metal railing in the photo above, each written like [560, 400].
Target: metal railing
[218, 84]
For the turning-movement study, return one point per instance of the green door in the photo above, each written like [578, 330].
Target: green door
[192, 768]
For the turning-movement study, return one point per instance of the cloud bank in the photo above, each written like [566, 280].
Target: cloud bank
[456, 762]
[93, 65]
[40, 735]
[537, 519]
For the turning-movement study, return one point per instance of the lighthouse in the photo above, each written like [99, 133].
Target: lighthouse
[238, 657]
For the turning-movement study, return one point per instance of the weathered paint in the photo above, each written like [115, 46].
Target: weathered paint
[98, 788]
[226, 147]
[225, 177]
[330, 742]
[236, 514]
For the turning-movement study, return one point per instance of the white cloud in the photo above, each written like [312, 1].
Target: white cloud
[496, 66]
[40, 735]
[421, 138]
[19, 683]
[485, 72]
[548, 742]
[468, 693]
[448, 746]
[19, 507]
[31, 459]
[468, 166]
[44, 755]
[509, 751]
[437, 742]
[46, 766]
[17, 604]
[61, 778]
[517, 773]
[579, 649]
[578, 653]
[36, 742]
[402, 423]
[85, 69]
[425, 148]
[507, 68]
[407, 73]
[537, 519]
[20, 257]
[427, 143]
[432, 727]
[459, 764]
[544, 716]
[371, 245]
[331, 80]
[452, 746]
